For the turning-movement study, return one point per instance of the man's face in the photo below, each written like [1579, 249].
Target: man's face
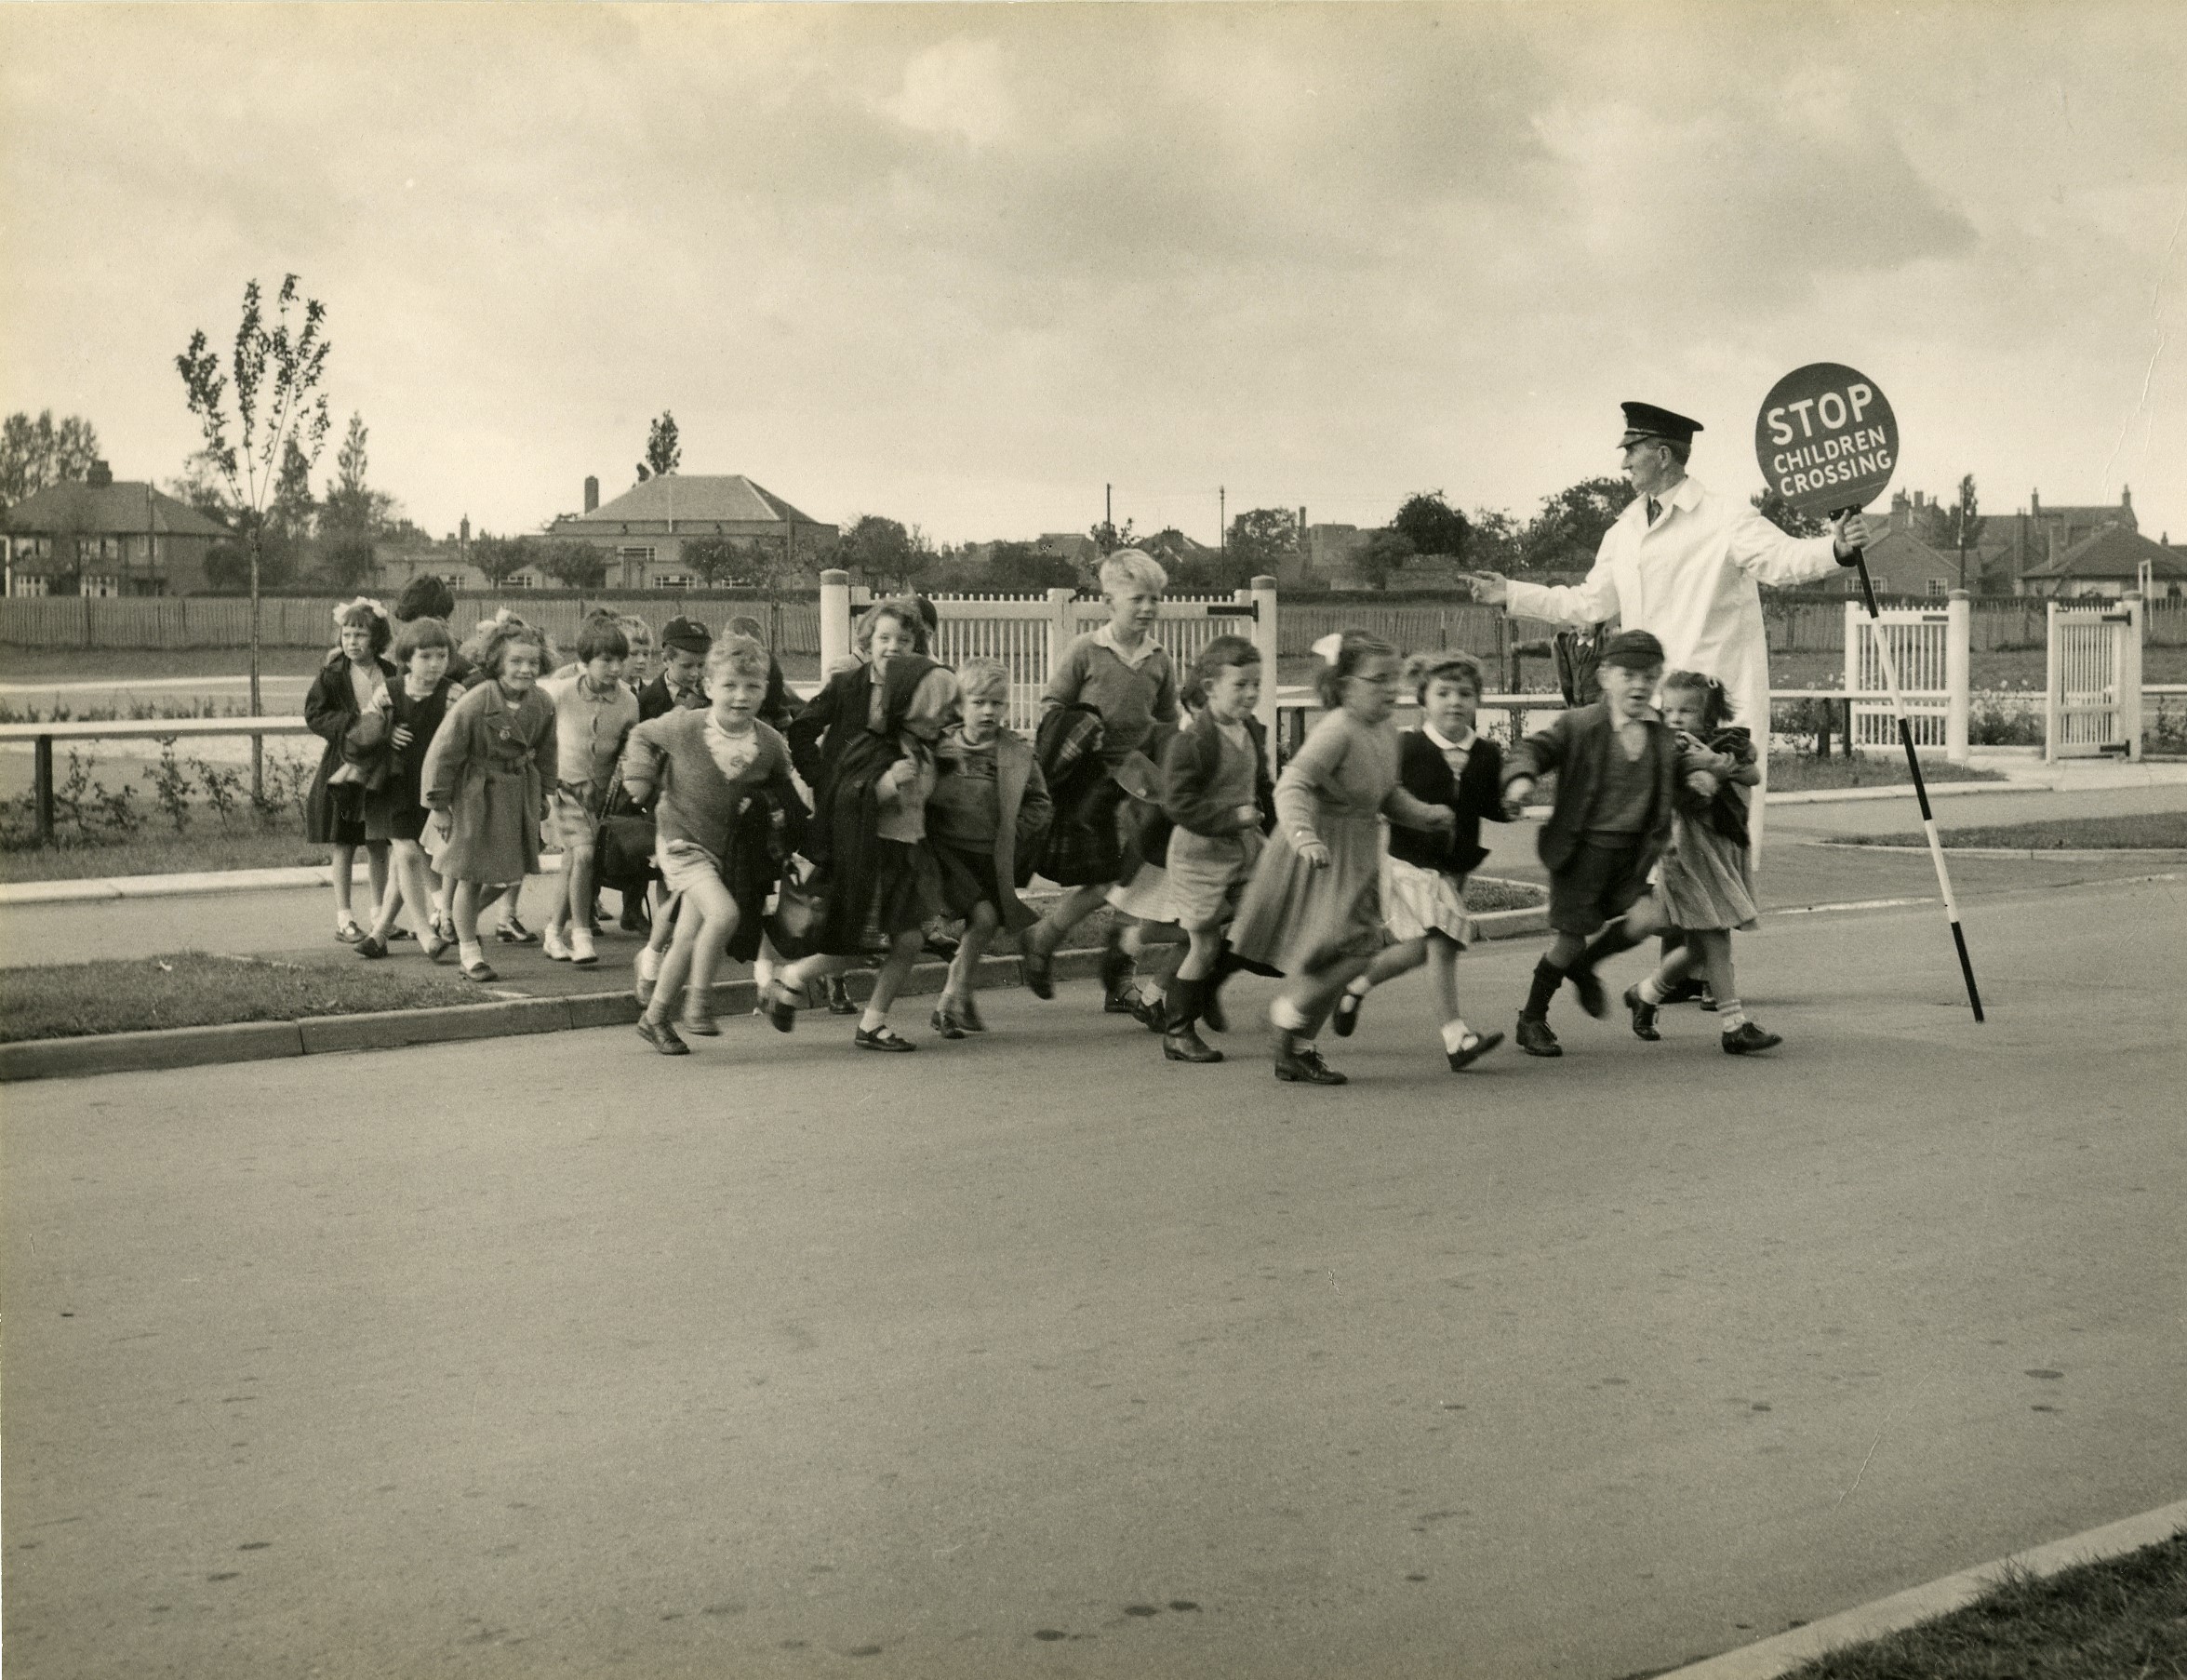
[1648, 464]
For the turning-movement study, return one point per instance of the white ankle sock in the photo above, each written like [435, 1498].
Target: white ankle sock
[1360, 986]
[1455, 1034]
[1286, 1014]
[872, 1021]
[1730, 1017]
[470, 951]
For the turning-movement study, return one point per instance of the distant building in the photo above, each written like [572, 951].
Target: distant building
[96, 536]
[2111, 561]
[644, 530]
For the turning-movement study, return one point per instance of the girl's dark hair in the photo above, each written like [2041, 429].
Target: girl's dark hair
[422, 633]
[360, 617]
[1424, 668]
[1354, 648]
[1215, 659]
[509, 633]
[601, 636]
[1715, 702]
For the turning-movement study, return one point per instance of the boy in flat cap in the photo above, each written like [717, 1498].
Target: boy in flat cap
[685, 644]
[1683, 563]
[1617, 779]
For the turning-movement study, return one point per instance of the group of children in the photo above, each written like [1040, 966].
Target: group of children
[899, 804]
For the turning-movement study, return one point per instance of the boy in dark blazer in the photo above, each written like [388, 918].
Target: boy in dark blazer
[1617, 769]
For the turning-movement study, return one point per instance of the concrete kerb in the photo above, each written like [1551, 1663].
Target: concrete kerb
[2087, 854]
[1769, 1658]
[320, 1035]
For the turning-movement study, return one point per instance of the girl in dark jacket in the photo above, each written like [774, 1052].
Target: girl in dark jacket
[1443, 763]
[348, 684]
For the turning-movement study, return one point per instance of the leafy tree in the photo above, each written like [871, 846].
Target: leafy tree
[1958, 526]
[1566, 534]
[348, 560]
[576, 565]
[664, 452]
[1262, 538]
[293, 511]
[1433, 526]
[499, 558]
[279, 407]
[1109, 538]
[201, 484]
[352, 505]
[1025, 568]
[37, 454]
[1385, 552]
[1493, 542]
[715, 559]
[1784, 516]
[877, 548]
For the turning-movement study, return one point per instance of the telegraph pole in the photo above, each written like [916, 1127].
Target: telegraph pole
[1221, 520]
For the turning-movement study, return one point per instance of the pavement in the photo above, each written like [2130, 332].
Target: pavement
[1038, 1355]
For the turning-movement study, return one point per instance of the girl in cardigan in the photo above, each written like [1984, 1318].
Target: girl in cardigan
[869, 838]
[487, 778]
[985, 820]
[1315, 906]
[705, 773]
[1705, 886]
[394, 812]
[1443, 763]
[1216, 793]
[347, 687]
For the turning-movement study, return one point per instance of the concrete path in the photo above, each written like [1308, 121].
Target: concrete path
[1035, 1355]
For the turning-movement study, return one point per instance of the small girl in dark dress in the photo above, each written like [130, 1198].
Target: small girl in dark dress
[334, 810]
[411, 709]
[869, 839]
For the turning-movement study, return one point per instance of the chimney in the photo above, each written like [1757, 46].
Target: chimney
[2035, 503]
[463, 533]
[2126, 497]
[592, 493]
[101, 476]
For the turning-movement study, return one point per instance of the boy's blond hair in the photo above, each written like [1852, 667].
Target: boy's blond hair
[1132, 565]
[983, 676]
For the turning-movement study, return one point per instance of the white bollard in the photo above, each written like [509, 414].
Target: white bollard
[834, 620]
[1270, 646]
[1958, 672]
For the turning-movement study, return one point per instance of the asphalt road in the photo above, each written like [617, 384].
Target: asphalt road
[1036, 1356]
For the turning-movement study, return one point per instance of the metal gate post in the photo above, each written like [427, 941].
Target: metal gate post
[42, 786]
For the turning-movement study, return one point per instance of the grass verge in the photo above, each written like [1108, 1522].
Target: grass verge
[2121, 1618]
[2151, 830]
[164, 854]
[191, 989]
[1798, 773]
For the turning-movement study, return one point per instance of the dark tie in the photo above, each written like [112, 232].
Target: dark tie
[1654, 508]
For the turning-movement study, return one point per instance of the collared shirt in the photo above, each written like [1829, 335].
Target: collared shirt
[588, 729]
[1455, 753]
[1137, 657]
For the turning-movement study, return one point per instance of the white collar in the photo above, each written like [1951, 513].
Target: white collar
[1106, 636]
[1685, 494]
[1435, 735]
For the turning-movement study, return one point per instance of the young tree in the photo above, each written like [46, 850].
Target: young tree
[1024, 568]
[352, 504]
[1433, 526]
[1261, 539]
[1109, 538]
[499, 558]
[664, 453]
[1784, 516]
[576, 565]
[715, 559]
[1565, 535]
[348, 560]
[1386, 552]
[36, 454]
[201, 484]
[278, 407]
[1960, 526]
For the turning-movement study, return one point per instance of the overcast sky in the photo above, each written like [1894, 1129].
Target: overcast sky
[961, 265]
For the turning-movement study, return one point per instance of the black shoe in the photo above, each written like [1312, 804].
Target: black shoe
[1587, 986]
[969, 1017]
[779, 1006]
[1687, 991]
[1038, 969]
[635, 919]
[1115, 978]
[1346, 1016]
[1148, 1013]
[1211, 1014]
[1476, 1046]
[1301, 1063]
[1536, 1039]
[512, 932]
[946, 1023]
[882, 1038]
[371, 946]
[1181, 1044]
[1750, 1040]
[941, 945]
[1644, 1015]
[1707, 999]
[663, 1037]
[839, 998]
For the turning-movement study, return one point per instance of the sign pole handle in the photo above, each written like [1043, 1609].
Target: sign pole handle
[1929, 821]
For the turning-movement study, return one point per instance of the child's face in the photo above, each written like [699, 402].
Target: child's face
[1131, 610]
[356, 643]
[1370, 692]
[1627, 688]
[602, 669]
[1448, 705]
[428, 666]
[736, 698]
[892, 639]
[1683, 709]
[984, 713]
[683, 668]
[520, 669]
[639, 668]
[1234, 691]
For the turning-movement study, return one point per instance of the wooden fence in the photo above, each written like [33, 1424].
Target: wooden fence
[178, 621]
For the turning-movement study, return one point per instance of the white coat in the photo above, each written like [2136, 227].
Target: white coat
[1690, 580]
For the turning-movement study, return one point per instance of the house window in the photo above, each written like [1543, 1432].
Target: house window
[1937, 589]
[520, 581]
[635, 555]
[673, 581]
[99, 583]
[26, 584]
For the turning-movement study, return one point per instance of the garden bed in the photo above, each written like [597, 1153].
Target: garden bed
[191, 989]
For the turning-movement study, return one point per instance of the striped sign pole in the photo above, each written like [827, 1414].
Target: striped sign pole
[1827, 442]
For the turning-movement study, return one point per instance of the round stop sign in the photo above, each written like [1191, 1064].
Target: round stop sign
[1826, 439]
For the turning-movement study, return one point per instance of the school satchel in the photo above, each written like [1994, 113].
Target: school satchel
[623, 855]
[801, 910]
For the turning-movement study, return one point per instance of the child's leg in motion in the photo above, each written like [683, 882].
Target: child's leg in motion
[344, 858]
[1185, 999]
[411, 890]
[376, 871]
[1622, 933]
[1461, 1045]
[574, 908]
[873, 1033]
[471, 898]
[1296, 1016]
[958, 1013]
[1535, 1037]
[702, 937]
[1158, 951]
[1741, 1035]
[1665, 985]
[1038, 944]
[1389, 963]
[779, 1000]
[655, 950]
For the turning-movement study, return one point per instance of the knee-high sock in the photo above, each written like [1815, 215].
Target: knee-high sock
[1182, 1004]
[1548, 976]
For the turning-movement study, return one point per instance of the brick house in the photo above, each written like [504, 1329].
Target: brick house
[2109, 562]
[643, 531]
[96, 536]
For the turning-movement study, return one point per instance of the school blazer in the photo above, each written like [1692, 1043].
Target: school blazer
[832, 717]
[1574, 746]
[1189, 769]
[1424, 773]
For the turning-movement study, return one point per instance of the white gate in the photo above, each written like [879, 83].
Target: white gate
[1027, 634]
[1921, 648]
[2093, 705]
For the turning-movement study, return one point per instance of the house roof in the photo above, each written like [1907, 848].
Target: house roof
[2114, 551]
[77, 507]
[694, 498]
